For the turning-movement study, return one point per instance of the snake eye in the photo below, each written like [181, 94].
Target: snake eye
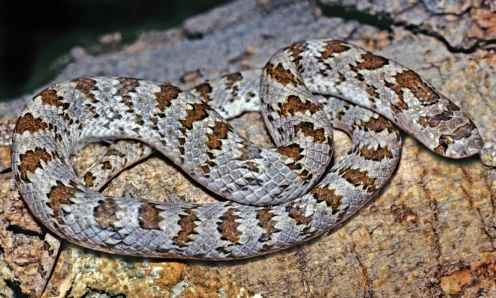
[444, 142]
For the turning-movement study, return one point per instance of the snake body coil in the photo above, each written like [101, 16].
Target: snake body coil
[193, 135]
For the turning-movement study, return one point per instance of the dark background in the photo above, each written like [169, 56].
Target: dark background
[35, 34]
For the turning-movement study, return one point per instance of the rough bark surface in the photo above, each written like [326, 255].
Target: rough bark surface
[430, 233]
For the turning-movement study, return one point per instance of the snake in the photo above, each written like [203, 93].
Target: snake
[275, 197]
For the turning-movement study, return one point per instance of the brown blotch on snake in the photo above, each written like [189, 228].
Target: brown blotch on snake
[376, 154]
[59, 196]
[292, 151]
[49, 97]
[128, 85]
[166, 95]
[329, 196]
[266, 223]
[30, 161]
[296, 49]
[197, 112]
[357, 177]
[105, 212]
[298, 214]
[294, 104]
[149, 216]
[282, 75]
[370, 62]
[220, 130]
[187, 224]
[398, 105]
[114, 152]
[228, 226]
[412, 81]
[308, 130]
[378, 124]
[31, 124]
[333, 47]
[85, 85]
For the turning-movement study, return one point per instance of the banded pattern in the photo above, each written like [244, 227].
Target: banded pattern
[186, 129]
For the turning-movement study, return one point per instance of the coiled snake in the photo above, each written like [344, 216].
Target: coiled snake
[274, 182]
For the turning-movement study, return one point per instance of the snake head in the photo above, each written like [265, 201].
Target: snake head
[454, 133]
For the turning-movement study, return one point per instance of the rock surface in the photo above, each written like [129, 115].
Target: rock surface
[431, 231]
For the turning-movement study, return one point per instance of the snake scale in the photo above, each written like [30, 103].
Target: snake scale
[185, 127]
